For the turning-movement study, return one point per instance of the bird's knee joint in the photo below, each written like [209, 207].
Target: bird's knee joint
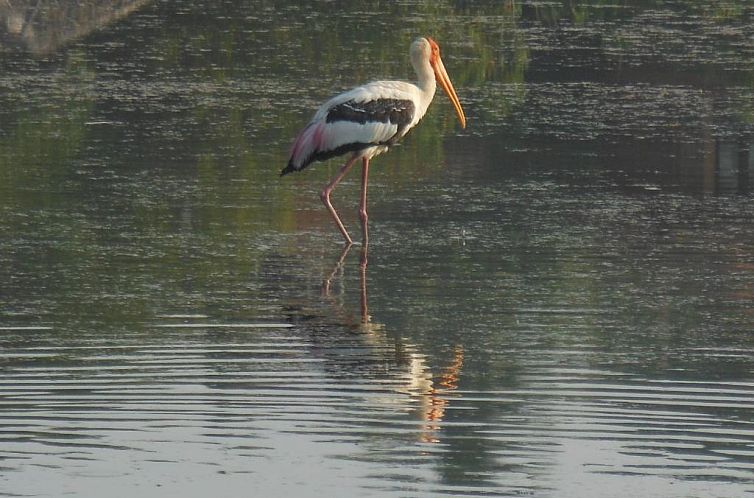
[363, 216]
[324, 196]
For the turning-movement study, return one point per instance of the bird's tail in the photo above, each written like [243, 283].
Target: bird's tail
[288, 169]
[304, 148]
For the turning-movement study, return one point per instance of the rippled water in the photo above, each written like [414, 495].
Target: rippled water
[556, 301]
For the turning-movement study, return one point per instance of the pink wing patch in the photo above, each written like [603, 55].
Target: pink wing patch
[308, 142]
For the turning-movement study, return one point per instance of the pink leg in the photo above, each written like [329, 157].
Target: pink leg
[363, 205]
[325, 196]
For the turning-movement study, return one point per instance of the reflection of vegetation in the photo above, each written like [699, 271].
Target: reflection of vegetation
[213, 90]
[723, 10]
[46, 133]
[580, 12]
[701, 43]
[747, 112]
[42, 27]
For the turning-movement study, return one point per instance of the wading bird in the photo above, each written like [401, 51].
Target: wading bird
[367, 120]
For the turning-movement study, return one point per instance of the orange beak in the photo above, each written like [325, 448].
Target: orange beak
[441, 75]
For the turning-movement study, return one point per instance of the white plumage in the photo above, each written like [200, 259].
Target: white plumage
[322, 137]
[367, 120]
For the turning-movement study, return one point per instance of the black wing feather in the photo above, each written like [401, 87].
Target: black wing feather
[395, 111]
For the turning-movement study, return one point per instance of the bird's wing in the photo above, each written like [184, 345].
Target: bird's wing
[378, 121]
[375, 114]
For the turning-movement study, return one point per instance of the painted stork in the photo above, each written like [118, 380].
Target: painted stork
[367, 120]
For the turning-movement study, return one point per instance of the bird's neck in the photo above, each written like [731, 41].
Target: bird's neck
[426, 80]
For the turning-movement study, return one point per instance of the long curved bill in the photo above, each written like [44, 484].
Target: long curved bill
[441, 75]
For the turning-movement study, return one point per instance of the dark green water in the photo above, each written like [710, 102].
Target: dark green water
[558, 300]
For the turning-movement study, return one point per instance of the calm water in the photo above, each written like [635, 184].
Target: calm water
[557, 301]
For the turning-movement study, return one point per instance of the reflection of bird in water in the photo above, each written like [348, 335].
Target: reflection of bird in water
[365, 321]
[435, 395]
[369, 119]
[432, 392]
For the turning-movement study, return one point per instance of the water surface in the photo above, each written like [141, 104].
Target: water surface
[556, 301]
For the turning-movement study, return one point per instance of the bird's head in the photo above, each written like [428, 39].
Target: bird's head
[430, 50]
